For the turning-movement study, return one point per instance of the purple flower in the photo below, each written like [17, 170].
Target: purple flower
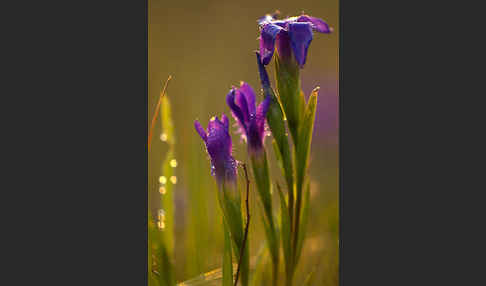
[219, 147]
[293, 34]
[251, 119]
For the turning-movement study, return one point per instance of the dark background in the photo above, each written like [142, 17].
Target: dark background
[75, 156]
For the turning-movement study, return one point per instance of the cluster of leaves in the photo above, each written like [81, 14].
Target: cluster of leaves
[290, 111]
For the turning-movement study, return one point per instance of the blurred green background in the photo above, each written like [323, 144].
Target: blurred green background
[208, 46]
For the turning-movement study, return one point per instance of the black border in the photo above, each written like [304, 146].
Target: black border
[78, 133]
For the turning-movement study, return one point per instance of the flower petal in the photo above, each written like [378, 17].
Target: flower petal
[225, 121]
[317, 24]
[262, 113]
[249, 94]
[300, 39]
[240, 100]
[268, 35]
[219, 140]
[263, 73]
[201, 131]
[235, 109]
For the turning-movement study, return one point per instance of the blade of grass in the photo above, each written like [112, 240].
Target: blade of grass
[156, 113]
[302, 158]
[247, 222]
[227, 257]
[285, 230]
[169, 178]
[208, 278]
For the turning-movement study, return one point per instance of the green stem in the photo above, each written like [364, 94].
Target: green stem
[275, 273]
[260, 171]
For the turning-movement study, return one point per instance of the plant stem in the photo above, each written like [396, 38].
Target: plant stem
[156, 113]
[247, 223]
[275, 274]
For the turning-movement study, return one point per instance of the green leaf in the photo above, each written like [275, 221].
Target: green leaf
[231, 207]
[303, 223]
[167, 123]
[259, 166]
[285, 230]
[276, 122]
[302, 158]
[161, 270]
[305, 138]
[260, 171]
[227, 257]
[272, 239]
[262, 258]
[288, 88]
[168, 177]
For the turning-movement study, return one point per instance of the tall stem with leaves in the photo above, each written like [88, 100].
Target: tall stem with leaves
[290, 107]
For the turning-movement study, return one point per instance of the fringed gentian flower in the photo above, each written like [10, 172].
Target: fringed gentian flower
[219, 147]
[251, 119]
[223, 167]
[293, 34]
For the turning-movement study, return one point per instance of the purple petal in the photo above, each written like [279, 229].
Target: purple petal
[263, 73]
[219, 147]
[300, 39]
[249, 94]
[219, 141]
[240, 100]
[201, 131]
[262, 113]
[267, 41]
[283, 46]
[281, 23]
[318, 24]
[225, 121]
[235, 109]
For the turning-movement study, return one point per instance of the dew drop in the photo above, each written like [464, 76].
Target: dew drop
[162, 180]
[161, 215]
[163, 137]
[161, 219]
[162, 190]
[161, 225]
[173, 163]
[173, 179]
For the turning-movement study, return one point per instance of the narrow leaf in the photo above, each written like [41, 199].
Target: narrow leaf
[285, 230]
[303, 223]
[305, 138]
[168, 178]
[227, 256]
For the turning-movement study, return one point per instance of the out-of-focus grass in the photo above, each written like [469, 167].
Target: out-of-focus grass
[208, 46]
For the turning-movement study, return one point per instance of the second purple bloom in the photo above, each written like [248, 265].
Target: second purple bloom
[251, 119]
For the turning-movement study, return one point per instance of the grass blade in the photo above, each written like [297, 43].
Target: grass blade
[227, 257]
[302, 158]
[168, 178]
